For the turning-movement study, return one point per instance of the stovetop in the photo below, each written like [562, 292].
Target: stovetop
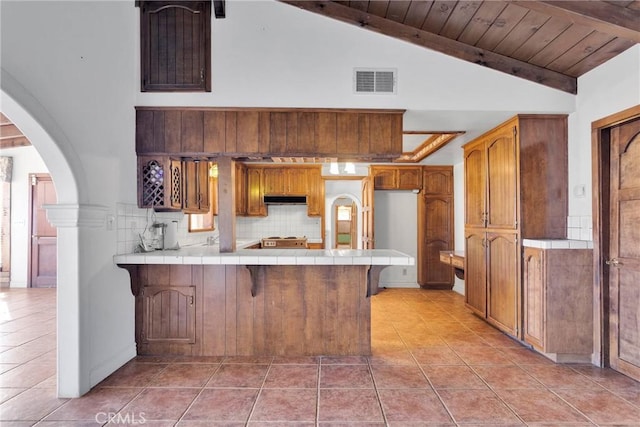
[284, 242]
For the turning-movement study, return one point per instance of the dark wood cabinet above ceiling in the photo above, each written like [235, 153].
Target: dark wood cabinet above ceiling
[356, 134]
[175, 41]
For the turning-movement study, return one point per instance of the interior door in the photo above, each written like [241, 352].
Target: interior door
[43, 260]
[624, 271]
[368, 238]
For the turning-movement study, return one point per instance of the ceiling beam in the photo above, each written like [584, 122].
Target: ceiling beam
[430, 145]
[13, 141]
[440, 44]
[604, 17]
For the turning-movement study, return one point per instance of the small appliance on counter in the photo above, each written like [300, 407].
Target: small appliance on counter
[171, 236]
[290, 242]
[158, 231]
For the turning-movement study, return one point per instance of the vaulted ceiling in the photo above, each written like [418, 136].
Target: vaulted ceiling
[548, 42]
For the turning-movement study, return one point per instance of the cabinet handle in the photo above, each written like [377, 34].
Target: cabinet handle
[614, 262]
[191, 300]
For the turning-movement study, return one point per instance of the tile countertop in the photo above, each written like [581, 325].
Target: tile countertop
[557, 244]
[202, 254]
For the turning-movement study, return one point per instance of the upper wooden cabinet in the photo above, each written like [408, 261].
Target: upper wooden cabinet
[175, 41]
[167, 183]
[265, 132]
[516, 177]
[160, 182]
[285, 181]
[241, 188]
[255, 192]
[196, 193]
[396, 177]
[315, 192]
[264, 180]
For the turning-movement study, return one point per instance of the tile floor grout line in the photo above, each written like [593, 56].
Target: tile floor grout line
[375, 389]
[433, 388]
[202, 389]
[318, 373]
[255, 402]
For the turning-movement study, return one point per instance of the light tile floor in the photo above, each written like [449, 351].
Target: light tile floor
[433, 364]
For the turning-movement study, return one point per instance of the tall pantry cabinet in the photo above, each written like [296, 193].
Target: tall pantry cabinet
[515, 188]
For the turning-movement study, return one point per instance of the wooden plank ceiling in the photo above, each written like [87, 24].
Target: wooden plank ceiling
[10, 135]
[548, 42]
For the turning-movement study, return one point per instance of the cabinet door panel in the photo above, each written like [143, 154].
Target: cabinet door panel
[437, 181]
[296, 181]
[176, 45]
[475, 271]
[241, 189]
[190, 174]
[195, 187]
[410, 178]
[503, 282]
[475, 186]
[315, 196]
[169, 314]
[502, 181]
[534, 297]
[255, 202]
[274, 181]
[385, 178]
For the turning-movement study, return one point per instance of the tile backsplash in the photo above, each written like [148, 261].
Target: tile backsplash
[282, 221]
[133, 221]
[580, 227]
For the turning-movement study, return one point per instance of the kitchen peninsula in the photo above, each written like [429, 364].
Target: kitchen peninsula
[227, 300]
[198, 301]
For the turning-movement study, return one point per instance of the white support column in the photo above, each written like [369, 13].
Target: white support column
[73, 315]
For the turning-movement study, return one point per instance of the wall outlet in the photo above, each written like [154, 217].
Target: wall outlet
[404, 271]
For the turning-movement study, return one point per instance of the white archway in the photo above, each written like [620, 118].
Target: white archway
[68, 215]
[330, 214]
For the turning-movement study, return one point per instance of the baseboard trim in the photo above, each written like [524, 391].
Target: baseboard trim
[112, 363]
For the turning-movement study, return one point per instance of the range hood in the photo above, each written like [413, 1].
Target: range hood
[285, 200]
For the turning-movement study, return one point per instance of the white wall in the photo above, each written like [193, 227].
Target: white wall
[26, 160]
[458, 216]
[79, 65]
[612, 87]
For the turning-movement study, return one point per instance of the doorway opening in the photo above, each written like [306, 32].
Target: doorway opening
[345, 224]
[42, 261]
[344, 229]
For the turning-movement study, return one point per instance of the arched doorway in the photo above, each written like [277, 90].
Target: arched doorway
[344, 229]
[25, 111]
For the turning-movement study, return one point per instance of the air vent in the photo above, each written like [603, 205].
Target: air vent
[374, 80]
